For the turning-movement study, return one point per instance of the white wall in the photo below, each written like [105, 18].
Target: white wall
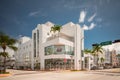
[23, 54]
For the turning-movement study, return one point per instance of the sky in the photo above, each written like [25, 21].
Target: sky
[99, 18]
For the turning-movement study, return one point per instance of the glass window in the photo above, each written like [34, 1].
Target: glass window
[48, 50]
[59, 49]
[38, 36]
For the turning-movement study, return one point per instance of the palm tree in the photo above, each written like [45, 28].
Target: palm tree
[102, 60]
[88, 51]
[4, 54]
[6, 41]
[96, 51]
[53, 29]
[56, 28]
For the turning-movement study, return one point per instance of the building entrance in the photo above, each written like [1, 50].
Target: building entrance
[59, 64]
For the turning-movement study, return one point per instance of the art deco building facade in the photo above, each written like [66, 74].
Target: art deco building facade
[55, 50]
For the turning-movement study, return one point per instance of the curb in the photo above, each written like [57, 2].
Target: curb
[5, 75]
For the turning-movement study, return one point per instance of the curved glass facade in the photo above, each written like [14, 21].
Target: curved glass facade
[59, 49]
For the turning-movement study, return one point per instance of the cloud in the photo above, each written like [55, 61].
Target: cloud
[92, 17]
[38, 13]
[34, 13]
[92, 25]
[82, 16]
[85, 27]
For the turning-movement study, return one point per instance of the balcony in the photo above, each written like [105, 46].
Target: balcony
[60, 35]
[58, 41]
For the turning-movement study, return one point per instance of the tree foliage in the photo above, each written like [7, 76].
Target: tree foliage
[55, 28]
[6, 41]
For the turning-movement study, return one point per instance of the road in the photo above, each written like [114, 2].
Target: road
[62, 75]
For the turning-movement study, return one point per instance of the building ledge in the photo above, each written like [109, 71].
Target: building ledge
[58, 41]
[58, 56]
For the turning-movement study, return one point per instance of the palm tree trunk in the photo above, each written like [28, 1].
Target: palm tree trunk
[94, 60]
[97, 61]
[4, 63]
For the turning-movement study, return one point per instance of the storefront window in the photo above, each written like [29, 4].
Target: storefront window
[59, 49]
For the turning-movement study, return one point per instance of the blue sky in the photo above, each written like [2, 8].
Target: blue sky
[99, 18]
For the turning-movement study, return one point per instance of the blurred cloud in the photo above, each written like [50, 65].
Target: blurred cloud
[92, 25]
[35, 13]
[92, 17]
[82, 16]
[82, 20]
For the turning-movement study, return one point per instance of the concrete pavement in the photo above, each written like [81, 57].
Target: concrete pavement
[113, 70]
[63, 75]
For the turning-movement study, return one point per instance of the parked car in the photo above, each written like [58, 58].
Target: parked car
[107, 67]
[94, 68]
[100, 68]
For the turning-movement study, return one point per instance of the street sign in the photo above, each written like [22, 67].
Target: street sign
[106, 43]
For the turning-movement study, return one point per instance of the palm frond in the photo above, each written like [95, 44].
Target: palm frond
[4, 54]
[55, 28]
[97, 49]
[11, 41]
[13, 47]
[4, 38]
[5, 41]
[87, 51]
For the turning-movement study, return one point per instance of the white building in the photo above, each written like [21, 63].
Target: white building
[110, 51]
[60, 50]
[23, 54]
[89, 63]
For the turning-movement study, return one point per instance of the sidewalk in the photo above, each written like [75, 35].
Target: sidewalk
[113, 70]
[106, 72]
[21, 72]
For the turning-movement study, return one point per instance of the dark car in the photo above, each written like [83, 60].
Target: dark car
[94, 68]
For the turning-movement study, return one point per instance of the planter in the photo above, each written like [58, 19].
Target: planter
[5, 75]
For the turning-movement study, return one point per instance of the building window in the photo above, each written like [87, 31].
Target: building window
[48, 50]
[38, 43]
[82, 53]
[37, 36]
[59, 49]
[34, 42]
